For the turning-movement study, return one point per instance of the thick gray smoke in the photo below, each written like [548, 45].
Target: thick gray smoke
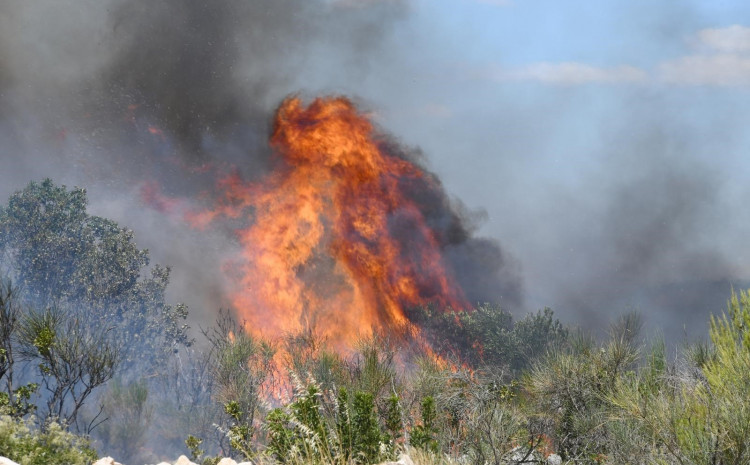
[150, 102]
[117, 95]
[654, 244]
[146, 104]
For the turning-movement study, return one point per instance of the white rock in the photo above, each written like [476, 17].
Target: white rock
[106, 461]
[163, 463]
[7, 461]
[554, 459]
[184, 461]
[520, 453]
[226, 461]
[404, 459]
[246, 463]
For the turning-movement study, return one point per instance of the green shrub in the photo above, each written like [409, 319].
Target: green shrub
[394, 423]
[488, 336]
[569, 388]
[301, 433]
[423, 436]
[21, 442]
[703, 415]
[365, 430]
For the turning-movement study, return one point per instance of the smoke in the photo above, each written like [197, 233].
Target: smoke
[114, 95]
[485, 272]
[658, 237]
[653, 232]
[646, 214]
[144, 105]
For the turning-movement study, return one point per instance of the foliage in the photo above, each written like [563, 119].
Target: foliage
[15, 400]
[298, 433]
[365, 429]
[128, 414]
[301, 433]
[72, 358]
[197, 454]
[25, 444]
[184, 403]
[487, 335]
[423, 436]
[240, 367]
[343, 424]
[569, 388]
[590, 402]
[703, 414]
[84, 306]
[372, 368]
[63, 257]
[307, 352]
[394, 423]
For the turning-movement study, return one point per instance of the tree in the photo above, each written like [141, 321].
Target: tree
[60, 256]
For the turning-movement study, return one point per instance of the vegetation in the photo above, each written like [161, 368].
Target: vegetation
[89, 268]
[487, 335]
[89, 346]
[26, 444]
[78, 307]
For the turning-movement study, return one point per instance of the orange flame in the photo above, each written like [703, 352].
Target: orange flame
[334, 240]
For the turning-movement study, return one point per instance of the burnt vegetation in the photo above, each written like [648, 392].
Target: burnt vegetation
[93, 358]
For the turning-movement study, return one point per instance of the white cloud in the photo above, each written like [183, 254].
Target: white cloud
[716, 70]
[732, 39]
[572, 73]
[722, 59]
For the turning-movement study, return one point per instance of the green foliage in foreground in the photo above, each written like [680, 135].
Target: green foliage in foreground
[527, 388]
[25, 444]
[700, 415]
[619, 401]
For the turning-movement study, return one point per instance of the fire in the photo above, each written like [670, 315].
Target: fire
[334, 238]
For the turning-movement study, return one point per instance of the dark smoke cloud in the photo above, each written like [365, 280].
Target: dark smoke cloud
[649, 225]
[483, 269]
[652, 235]
[113, 95]
[145, 104]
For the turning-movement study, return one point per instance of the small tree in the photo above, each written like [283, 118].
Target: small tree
[423, 436]
[241, 365]
[365, 429]
[71, 359]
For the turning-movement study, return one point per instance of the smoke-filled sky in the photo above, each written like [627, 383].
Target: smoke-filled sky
[599, 144]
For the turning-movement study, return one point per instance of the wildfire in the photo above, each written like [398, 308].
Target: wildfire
[334, 238]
